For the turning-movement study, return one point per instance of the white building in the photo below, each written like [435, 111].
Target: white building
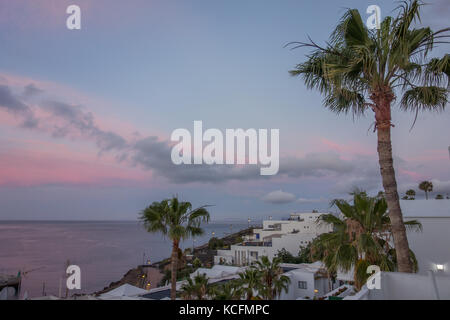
[311, 281]
[407, 286]
[298, 231]
[218, 272]
[431, 245]
[307, 281]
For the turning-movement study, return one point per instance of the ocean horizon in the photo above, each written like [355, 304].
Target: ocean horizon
[104, 250]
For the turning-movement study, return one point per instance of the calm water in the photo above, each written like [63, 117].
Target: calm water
[107, 250]
[103, 250]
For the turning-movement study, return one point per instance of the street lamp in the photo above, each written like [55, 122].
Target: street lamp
[316, 294]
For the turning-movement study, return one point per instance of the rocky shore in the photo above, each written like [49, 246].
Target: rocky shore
[143, 274]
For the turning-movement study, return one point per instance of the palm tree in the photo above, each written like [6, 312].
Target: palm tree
[178, 221]
[361, 69]
[230, 290]
[249, 280]
[272, 282]
[361, 237]
[196, 289]
[411, 194]
[426, 186]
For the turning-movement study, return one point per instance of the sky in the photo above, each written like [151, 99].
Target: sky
[86, 115]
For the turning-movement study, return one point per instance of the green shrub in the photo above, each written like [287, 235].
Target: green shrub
[215, 243]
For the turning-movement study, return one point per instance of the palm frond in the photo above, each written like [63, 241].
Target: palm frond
[431, 98]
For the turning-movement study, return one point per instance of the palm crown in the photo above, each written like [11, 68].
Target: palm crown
[175, 219]
[362, 237]
[361, 68]
[178, 221]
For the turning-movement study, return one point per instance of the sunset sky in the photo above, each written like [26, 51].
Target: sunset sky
[86, 115]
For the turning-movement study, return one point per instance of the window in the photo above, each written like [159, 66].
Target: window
[303, 285]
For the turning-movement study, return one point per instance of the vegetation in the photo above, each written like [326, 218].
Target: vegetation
[264, 280]
[360, 70]
[439, 197]
[181, 274]
[304, 255]
[411, 194]
[249, 281]
[215, 243]
[196, 263]
[272, 281]
[362, 237]
[238, 240]
[230, 290]
[426, 186]
[178, 221]
[195, 289]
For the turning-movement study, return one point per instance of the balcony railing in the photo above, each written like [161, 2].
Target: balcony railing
[257, 244]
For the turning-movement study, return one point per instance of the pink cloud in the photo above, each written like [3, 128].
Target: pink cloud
[102, 107]
[30, 156]
[412, 174]
[349, 148]
[31, 167]
[431, 155]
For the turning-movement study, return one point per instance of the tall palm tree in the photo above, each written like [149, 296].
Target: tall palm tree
[272, 282]
[196, 288]
[178, 221]
[426, 186]
[362, 237]
[361, 69]
[249, 280]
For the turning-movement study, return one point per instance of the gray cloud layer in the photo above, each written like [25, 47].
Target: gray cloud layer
[279, 197]
[150, 153]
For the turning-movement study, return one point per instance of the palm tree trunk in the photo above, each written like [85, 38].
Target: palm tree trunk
[174, 260]
[392, 199]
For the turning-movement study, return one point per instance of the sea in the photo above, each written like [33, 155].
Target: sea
[104, 251]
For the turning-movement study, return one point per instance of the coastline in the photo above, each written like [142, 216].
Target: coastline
[153, 273]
